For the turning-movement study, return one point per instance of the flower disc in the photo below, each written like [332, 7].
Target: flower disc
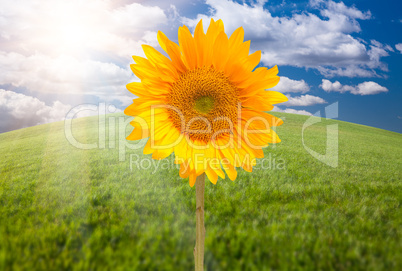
[206, 101]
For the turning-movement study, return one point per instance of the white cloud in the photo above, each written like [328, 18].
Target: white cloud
[19, 111]
[304, 40]
[293, 111]
[304, 100]
[350, 71]
[65, 74]
[378, 44]
[339, 8]
[399, 47]
[78, 28]
[74, 47]
[369, 88]
[365, 88]
[287, 85]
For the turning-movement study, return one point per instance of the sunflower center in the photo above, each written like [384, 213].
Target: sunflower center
[204, 104]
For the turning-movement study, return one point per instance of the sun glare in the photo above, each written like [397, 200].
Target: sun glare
[72, 35]
[68, 28]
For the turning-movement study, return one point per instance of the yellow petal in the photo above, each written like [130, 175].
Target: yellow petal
[236, 39]
[161, 154]
[257, 102]
[184, 171]
[212, 176]
[187, 47]
[173, 50]
[200, 42]
[181, 150]
[162, 40]
[147, 148]
[220, 51]
[136, 88]
[161, 61]
[259, 118]
[145, 72]
[259, 85]
[230, 171]
[143, 62]
[192, 178]
[155, 87]
[214, 29]
[139, 132]
[253, 60]
[140, 105]
[273, 97]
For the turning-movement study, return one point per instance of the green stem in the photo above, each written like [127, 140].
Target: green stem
[200, 228]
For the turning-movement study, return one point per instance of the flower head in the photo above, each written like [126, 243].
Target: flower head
[205, 102]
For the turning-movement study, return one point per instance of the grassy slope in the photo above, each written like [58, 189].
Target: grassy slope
[63, 208]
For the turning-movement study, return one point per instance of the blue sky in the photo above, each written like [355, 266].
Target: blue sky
[55, 55]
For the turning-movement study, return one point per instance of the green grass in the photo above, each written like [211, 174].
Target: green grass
[63, 208]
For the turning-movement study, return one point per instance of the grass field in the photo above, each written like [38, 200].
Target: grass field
[64, 208]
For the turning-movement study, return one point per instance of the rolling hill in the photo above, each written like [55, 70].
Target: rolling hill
[109, 207]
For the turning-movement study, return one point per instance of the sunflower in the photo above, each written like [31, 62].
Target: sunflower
[205, 102]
